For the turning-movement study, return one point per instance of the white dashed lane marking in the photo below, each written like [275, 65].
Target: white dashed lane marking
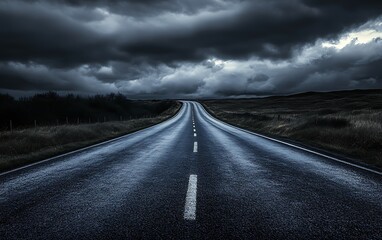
[195, 147]
[190, 206]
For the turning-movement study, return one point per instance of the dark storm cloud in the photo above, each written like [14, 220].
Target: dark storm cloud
[143, 8]
[32, 77]
[353, 67]
[164, 47]
[32, 33]
[13, 77]
[44, 32]
[271, 29]
[258, 78]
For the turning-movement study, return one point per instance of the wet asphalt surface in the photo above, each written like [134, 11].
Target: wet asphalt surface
[135, 187]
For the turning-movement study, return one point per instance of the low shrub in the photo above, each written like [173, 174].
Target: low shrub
[328, 122]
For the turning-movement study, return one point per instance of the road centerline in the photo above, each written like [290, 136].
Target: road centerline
[190, 205]
[195, 147]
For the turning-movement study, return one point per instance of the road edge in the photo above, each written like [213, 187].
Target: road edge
[92, 145]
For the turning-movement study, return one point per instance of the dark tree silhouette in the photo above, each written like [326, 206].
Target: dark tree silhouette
[50, 108]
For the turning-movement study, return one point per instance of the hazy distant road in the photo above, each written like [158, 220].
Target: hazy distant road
[174, 180]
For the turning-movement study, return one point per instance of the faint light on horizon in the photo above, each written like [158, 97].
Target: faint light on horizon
[361, 37]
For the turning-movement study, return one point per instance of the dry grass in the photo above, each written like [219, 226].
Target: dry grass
[349, 123]
[29, 145]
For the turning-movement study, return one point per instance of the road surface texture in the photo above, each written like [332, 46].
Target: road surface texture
[191, 177]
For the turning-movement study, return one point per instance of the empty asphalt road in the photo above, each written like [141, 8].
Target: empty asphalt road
[191, 177]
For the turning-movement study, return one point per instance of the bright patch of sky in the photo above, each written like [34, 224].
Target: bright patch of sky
[358, 37]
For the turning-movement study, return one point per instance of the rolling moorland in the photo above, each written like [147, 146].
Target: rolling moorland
[48, 124]
[348, 123]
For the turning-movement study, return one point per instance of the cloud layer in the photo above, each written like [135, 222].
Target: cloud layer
[189, 48]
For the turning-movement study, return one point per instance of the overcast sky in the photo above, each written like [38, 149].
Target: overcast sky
[189, 48]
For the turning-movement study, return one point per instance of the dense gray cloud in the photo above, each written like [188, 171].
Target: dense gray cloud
[189, 48]
[17, 76]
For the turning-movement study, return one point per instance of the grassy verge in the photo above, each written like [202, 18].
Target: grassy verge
[26, 146]
[348, 123]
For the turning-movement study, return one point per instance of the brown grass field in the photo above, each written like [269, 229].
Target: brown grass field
[347, 122]
[29, 145]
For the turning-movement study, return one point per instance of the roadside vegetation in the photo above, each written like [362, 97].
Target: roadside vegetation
[66, 123]
[347, 122]
[50, 109]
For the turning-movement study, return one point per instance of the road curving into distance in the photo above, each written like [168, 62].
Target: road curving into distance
[191, 177]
